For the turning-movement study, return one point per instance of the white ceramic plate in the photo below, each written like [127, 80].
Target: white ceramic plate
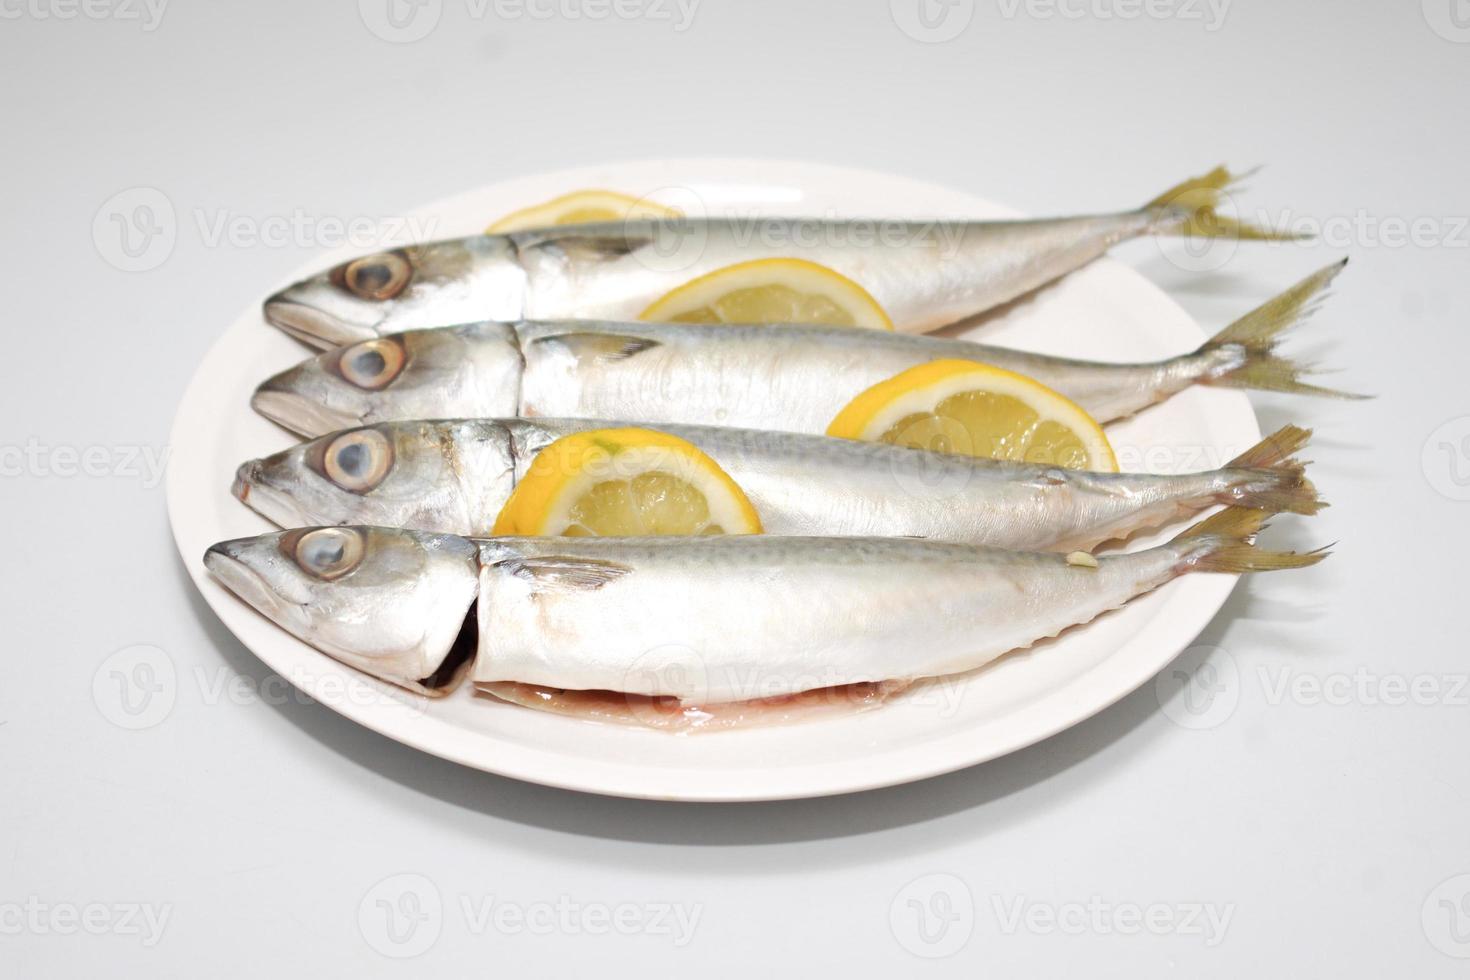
[1107, 311]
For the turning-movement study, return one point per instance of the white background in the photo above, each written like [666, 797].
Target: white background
[1328, 829]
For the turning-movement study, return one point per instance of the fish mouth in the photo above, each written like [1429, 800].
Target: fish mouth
[224, 562]
[253, 490]
[297, 413]
[313, 325]
[241, 487]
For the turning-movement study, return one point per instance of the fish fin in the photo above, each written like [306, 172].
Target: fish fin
[584, 244]
[1190, 209]
[1274, 480]
[1260, 329]
[1275, 449]
[1268, 372]
[1257, 333]
[565, 571]
[1226, 542]
[442, 262]
[600, 346]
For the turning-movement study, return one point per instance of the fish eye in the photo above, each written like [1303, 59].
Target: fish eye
[358, 461]
[329, 552]
[372, 364]
[377, 277]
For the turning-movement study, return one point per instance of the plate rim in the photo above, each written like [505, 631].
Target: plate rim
[550, 768]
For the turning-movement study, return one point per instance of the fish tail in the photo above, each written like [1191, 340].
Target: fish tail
[1254, 338]
[1260, 329]
[1275, 449]
[1190, 209]
[1273, 479]
[1226, 542]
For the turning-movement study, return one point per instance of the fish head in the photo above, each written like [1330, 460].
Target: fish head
[407, 288]
[389, 602]
[454, 372]
[451, 476]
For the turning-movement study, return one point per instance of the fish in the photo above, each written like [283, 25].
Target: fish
[454, 476]
[790, 378]
[924, 273]
[701, 621]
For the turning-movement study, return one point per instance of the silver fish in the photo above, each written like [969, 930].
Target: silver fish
[702, 620]
[787, 378]
[454, 476]
[925, 274]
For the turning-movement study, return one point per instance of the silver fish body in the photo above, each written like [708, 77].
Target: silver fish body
[795, 378]
[925, 274]
[454, 476]
[697, 619]
[710, 621]
[788, 378]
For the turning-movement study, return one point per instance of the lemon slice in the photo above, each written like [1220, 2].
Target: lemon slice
[974, 409]
[621, 482]
[771, 291]
[580, 208]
